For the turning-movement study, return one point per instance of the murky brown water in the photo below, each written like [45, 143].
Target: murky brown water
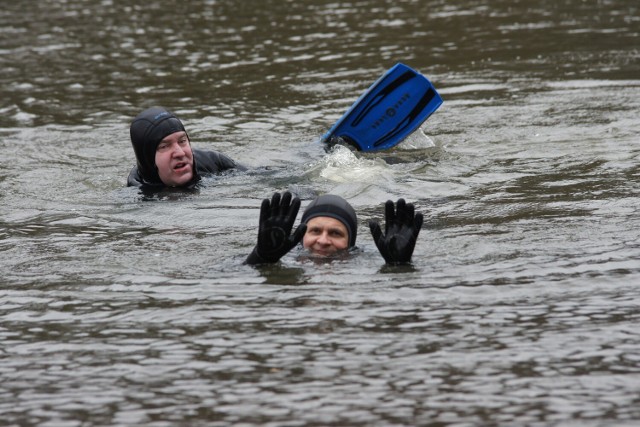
[522, 304]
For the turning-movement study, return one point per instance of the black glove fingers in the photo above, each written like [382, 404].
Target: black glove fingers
[417, 224]
[376, 232]
[265, 210]
[275, 204]
[378, 238]
[292, 212]
[389, 215]
[286, 200]
[404, 212]
[275, 199]
[298, 235]
[411, 214]
[274, 233]
[392, 252]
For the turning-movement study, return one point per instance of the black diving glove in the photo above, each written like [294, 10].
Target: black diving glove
[274, 234]
[402, 226]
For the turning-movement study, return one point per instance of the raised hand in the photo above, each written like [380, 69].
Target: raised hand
[275, 240]
[402, 226]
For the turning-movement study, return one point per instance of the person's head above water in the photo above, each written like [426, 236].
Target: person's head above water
[329, 225]
[162, 148]
[332, 225]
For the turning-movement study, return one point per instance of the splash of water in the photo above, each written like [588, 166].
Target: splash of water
[344, 166]
[418, 140]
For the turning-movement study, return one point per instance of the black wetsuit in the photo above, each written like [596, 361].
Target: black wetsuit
[206, 163]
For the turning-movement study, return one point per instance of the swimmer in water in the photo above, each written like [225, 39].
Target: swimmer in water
[328, 228]
[164, 156]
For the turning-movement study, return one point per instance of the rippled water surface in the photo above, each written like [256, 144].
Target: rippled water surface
[522, 303]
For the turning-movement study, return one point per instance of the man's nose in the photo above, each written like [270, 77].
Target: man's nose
[324, 239]
[177, 150]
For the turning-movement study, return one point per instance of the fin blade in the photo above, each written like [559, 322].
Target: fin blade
[392, 108]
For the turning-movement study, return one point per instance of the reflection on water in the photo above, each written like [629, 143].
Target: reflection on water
[520, 308]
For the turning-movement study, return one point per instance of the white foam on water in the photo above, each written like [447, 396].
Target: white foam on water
[344, 166]
[418, 140]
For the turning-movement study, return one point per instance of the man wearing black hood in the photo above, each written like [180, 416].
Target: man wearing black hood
[164, 154]
[329, 226]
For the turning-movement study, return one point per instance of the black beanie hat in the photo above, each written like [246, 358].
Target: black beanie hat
[147, 130]
[335, 207]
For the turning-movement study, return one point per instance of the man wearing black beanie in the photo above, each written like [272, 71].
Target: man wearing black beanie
[329, 227]
[332, 225]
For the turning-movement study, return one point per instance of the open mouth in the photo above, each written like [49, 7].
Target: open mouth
[179, 166]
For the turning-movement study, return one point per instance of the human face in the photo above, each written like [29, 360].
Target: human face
[174, 159]
[325, 236]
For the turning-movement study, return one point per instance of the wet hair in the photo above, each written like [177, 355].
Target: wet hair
[147, 130]
[334, 207]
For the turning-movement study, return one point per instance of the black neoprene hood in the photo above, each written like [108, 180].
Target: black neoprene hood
[334, 207]
[147, 130]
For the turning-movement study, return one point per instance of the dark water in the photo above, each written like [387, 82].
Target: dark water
[522, 304]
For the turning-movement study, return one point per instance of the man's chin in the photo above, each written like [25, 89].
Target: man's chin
[319, 253]
[326, 257]
[324, 253]
[182, 179]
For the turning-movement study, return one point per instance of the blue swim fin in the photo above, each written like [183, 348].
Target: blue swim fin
[391, 109]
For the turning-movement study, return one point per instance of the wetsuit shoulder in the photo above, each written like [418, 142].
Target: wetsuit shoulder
[134, 179]
[213, 162]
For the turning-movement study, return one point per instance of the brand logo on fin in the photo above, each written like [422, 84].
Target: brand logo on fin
[391, 111]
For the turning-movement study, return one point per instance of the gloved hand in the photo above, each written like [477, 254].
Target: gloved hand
[274, 233]
[401, 232]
